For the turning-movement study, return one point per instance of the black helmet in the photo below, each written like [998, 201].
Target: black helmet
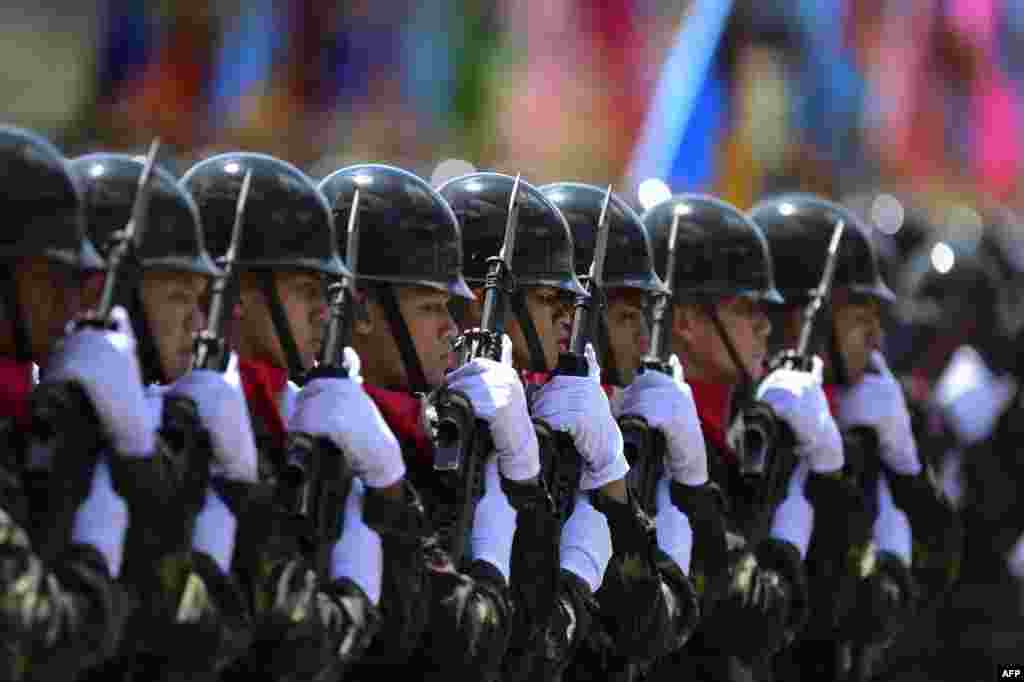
[798, 228]
[288, 223]
[719, 251]
[544, 246]
[543, 249]
[173, 239]
[629, 263]
[42, 203]
[407, 233]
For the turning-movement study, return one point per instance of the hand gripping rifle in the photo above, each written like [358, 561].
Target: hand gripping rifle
[317, 478]
[645, 447]
[460, 440]
[565, 471]
[64, 423]
[181, 426]
[755, 430]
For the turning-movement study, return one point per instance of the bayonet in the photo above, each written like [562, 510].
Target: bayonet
[126, 241]
[210, 347]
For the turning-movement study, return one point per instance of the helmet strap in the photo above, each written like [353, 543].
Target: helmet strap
[281, 324]
[538, 363]
[839, 371]
[406, 348]
[22, 344]
[153, 371]
[746, 381]
[611, 368]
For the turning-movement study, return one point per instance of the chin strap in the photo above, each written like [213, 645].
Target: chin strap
[406, 348]
[611, 368]
[22, 344]
[747, 382]
[281, 325]
[538, 363]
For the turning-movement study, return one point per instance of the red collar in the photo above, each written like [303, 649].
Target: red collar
[401, 410]
[263, 384]
[832, 395]
[15, 385]
[713, 402]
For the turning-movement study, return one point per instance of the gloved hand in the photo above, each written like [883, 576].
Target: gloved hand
[798, 400]
[498, 398]
[666, 403]
[104, 363]
[225, 415]
[579, 406]
[339, 409]
[750, 620]
[877, 402]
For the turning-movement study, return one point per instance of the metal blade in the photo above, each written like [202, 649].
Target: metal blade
[832, 259]
[236, 229]
[352, 236]
[508, 246]
[601, 248]
[137, 223]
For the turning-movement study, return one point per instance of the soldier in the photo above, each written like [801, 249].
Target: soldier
[589, 487]
[856, 607]
[170, 493]
[63, 614]
[722, 284]
[441, 620]
[648, 605]
[305, 624]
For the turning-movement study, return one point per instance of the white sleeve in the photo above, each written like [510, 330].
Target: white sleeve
[892, 527]
[794, 518]
[494, 523]
[675, 535]
[586, 544]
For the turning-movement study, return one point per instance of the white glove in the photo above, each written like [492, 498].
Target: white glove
[214, 531]
[340, 410]
[666, 402]
[105, 365]
[971, 397]
[102, 519]
[799, 400]
[225, 415]
[498, 398]
[578, 406]
[877, 402]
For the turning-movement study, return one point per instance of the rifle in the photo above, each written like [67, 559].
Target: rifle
[317, 478]
[181, 425]
[64, 422]
[460, 442]
[563, 479]
[645, 447]
[210, 349]
[754, 429]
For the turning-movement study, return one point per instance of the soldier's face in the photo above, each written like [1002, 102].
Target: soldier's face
[172, 301]
[303, 297]
[431, 328]
[551, 311]
[49, 295]
[705, 354]
[629, 335]
[858, 324]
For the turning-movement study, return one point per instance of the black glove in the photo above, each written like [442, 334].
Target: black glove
[884, 602]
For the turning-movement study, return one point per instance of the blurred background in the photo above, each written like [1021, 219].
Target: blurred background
[922, 100]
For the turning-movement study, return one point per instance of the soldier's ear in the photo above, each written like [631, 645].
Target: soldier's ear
[684, 318]
[368, 313]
